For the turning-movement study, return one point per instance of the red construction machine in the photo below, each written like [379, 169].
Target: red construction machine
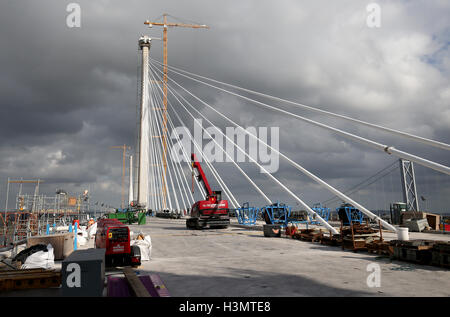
[114, 236]
[213, 211]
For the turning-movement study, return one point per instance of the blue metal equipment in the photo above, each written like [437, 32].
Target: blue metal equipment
[277, 214]
[349, 213]
[247, 215]
[323, 212]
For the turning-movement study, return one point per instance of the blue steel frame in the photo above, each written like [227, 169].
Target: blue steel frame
[278, 213]
[323, 212]
[247, 215]
[354, 215]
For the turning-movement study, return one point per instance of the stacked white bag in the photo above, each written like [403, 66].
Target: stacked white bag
[40, 260]
[92, 230]
[145, 246]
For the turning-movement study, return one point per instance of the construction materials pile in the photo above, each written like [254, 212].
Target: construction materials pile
[357, 236]
[363, 237]
[168, 214]
[440, 255]
[428, 252]
[311, 235]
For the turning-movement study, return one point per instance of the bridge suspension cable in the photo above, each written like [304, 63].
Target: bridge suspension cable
[165, 132]
[216, 175]
[177, 166]
[160, 154]
[235, 164]
[364, 183]
[308, 209]
[420, 139]
[296, 165]
[378, 146]
[212, 169]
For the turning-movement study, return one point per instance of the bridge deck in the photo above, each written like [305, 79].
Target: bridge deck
[242, 262]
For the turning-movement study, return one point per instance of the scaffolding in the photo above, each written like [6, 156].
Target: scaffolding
[34, 213]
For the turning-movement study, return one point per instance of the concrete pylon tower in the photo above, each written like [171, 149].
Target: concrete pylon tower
[144, 127]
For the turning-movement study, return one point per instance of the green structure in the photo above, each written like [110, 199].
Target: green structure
[127, 216]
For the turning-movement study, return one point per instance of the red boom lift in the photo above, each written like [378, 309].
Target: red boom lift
[213, 211]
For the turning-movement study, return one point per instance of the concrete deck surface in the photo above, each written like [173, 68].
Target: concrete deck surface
[242, 262]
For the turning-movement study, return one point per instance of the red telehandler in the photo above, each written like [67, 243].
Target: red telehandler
[213, 211]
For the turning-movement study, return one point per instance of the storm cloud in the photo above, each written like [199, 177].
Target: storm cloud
[68, 94]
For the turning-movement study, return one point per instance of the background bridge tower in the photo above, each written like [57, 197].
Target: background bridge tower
[408, 181]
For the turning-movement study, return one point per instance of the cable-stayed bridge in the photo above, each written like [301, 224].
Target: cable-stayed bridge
[172, 117]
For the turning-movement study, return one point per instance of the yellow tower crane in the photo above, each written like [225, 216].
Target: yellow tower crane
[124, 148]
[165, 26]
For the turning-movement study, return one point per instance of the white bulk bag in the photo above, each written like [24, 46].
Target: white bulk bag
[145, 246]
[92, 230]
[40, 259]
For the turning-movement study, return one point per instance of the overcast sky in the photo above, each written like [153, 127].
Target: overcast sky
[68, 94]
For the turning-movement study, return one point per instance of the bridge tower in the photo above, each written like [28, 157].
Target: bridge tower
[408, 180]
[144, 127]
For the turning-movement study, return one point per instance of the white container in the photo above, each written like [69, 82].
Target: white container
[402, 234]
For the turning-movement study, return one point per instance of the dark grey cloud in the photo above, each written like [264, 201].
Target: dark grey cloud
[67, 95]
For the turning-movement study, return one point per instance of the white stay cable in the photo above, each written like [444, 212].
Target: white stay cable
[216, 175]
[187, 160]
[179, 170]
[161, 133]
[158, 114]
[153, 198]
[167, 169]
[221, 147]
[165, 199]
[381, 147]
[180, 173]
[164, 185]
[299, 167]
[156, 171]
[431, 142]
[308, 209]
[180, 193]
[176, 166]
[214, 172]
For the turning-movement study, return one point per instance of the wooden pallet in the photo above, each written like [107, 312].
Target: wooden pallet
[440, 254]
[419, 255]
[330, 240]
[353, 244]
[440, 259]
[443, 247]
[310, 235]
[419, 244]
[28, 279]
[120, 287]
[380, 247]
[136, 285]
